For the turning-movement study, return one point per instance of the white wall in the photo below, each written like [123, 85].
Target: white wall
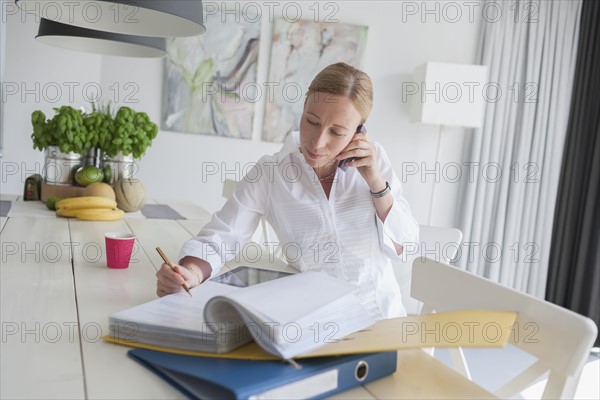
[401, 37]
[41, 77]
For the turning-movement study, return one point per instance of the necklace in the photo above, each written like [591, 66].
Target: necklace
[328, 176]
[325, 178]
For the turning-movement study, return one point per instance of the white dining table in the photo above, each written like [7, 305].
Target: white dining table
[57, 295]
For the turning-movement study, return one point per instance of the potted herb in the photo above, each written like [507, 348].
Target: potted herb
[64, 138]
[100, 122]
[131, 134]
[71, 134]
[66, 130]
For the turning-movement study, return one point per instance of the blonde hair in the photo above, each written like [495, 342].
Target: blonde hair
[345, 80]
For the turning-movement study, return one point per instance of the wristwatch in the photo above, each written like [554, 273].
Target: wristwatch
[383, 192]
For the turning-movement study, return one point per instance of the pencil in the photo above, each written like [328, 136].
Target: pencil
[170, 264]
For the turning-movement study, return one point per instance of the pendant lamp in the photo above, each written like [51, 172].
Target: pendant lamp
[163, 18]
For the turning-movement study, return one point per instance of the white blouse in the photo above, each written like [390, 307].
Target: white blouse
[342, 235]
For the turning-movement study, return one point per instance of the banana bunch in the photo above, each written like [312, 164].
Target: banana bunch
[89, 208]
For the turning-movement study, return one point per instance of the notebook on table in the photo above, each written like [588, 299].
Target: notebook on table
[277, 314]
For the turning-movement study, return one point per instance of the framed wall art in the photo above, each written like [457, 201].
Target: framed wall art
[299, 51]
[209, 80]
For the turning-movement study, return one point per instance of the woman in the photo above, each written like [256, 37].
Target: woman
[348, 221]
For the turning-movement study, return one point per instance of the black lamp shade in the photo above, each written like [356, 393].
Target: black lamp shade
[93, 41]
[164, 18]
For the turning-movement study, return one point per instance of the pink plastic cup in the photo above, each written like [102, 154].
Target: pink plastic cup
[118, 249]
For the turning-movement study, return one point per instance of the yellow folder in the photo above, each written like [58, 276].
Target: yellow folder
[468, 328]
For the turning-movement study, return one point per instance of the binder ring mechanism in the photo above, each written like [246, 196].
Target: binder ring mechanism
[361, 371]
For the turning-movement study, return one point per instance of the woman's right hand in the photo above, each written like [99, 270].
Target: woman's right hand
[193, 274]
[169, 281]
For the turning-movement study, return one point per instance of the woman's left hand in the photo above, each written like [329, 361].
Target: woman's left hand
[361, 154]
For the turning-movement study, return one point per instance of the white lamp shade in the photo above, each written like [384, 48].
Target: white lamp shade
[449, 94]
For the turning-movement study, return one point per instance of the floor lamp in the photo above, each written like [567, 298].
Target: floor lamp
[449, 95]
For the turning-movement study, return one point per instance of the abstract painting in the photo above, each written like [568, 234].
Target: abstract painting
[210, 80]
[299, 51]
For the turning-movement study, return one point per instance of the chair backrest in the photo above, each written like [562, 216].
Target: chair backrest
[560, 339]
[435, 242]
[441, 242]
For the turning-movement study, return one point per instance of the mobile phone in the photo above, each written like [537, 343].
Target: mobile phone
[342, 164]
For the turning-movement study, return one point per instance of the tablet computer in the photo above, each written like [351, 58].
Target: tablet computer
[247, 276]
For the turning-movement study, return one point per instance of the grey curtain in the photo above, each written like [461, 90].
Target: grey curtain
[574, 271]
[2, 68]
[508, 206]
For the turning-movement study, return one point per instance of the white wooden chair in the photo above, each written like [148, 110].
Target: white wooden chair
[558, 338]
[440, 244]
